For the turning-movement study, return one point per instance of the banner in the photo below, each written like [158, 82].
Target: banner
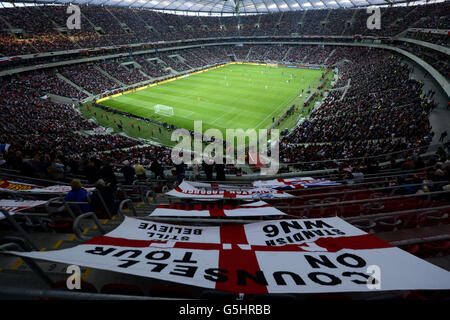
[281, 256]
[6, 185]
[187, 190]
[15, 186]
[294, 183]
[256, 209]
[13, 206]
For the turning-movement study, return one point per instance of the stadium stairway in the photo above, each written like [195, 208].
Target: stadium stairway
[73, 84]
[106, 74]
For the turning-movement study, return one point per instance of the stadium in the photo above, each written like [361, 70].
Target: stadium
[321, 168]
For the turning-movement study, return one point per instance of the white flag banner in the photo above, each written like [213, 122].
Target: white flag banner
[280, 256]
[256, 209]
[294, 183]
[14, 186]
[187, 190]
[13, 206]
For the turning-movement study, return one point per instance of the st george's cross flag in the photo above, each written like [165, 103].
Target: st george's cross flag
[294, 183]
[278, 256]
[253, 209]
[13, 206]
[188, 190]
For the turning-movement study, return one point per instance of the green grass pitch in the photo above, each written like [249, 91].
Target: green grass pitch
[234, 96]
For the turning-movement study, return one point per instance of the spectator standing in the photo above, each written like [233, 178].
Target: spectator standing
[180, 170]
[128, 173]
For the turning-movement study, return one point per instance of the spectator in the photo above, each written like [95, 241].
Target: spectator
[140, 171]
[157, 169]
[220, 171]
[208, 168]
[107, 192]
[78, 194]
[180, 171]
[128, 173]
[107, 174]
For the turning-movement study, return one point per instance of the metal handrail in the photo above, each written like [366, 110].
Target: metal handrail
[17, 246]
[74, 295]
[420, 240]
[428, 195]
[77, 229]
[368, 189]
[127, 201]
[17, 226]
[394, 213]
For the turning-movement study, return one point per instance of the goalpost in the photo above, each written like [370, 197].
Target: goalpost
[163, 110]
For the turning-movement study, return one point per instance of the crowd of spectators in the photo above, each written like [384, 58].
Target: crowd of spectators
[437, 59]
[88, 77]
[381, 112]
[436, 38]
[115, 68]
[38, 129]
[42, 27]
[174, 62]
[151, 67]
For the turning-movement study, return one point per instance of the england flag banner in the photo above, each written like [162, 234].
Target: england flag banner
[13, 206]
[14, 186]
[294, 183]
[187, 190]
[6, 185]
[278, 256]
[256, 209]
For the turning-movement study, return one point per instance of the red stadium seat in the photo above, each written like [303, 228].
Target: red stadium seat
[409, 220]
[333, 211]
[353, 210]
[364, 224]
[432, 249]
[432, 218]
[387, 224]
[86, 287]
[62, 225]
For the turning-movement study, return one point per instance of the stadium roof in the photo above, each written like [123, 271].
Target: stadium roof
[233, 6]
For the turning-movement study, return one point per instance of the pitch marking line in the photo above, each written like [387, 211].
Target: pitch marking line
[225, 114]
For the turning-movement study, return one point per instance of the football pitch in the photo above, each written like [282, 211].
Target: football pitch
[231, 97]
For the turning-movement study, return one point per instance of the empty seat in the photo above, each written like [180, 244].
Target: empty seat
[393, 205]
[314, 212]
[387, 224]
[432, 249]
[331, 200]
[333, 211]
[431, 218]
[364, 224]
[408, 220]
[85, 286]
[61, 225]
[373, 207]
[352, 210]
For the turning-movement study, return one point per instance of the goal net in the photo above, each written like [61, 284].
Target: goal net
[163, 110]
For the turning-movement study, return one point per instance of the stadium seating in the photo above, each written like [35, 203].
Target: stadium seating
[372, 131]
